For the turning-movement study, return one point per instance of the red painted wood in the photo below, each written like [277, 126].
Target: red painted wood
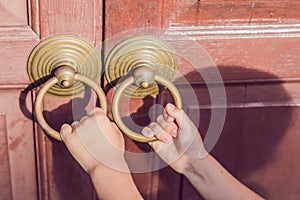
[71, 17]
[193, 12]
[18, 164]
[53, 173]
[259, 65]
[13, 13]
[253, 43]
[16, 45]
[60, 175]
[127, 15]
[19, 144]
[5, 181]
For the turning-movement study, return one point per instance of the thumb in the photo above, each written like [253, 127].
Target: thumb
[178, 114]
[65, 131]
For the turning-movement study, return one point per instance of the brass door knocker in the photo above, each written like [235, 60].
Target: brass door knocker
[144, 60]
[70, 61]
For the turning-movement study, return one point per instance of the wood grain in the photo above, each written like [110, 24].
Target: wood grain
[5, 181]
[70, 17]
[126, 15]
[13, 13]
[193, 12]
[16, 45]
[254, 45]
[20, 144]
[59, 175]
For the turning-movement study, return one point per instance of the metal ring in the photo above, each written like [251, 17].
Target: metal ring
[116, 99]
[51, 82]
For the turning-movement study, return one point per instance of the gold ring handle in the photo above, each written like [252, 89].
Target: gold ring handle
[64, 79]
[144, 82]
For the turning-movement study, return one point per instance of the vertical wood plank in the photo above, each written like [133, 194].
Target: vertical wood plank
[123, 16]
[34, 15]
[126, 15]
[60, 176]
[20, 145]
[13, 13]
[5, 180]
[70, 17]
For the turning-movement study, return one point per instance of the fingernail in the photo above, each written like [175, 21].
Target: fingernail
[149, 133]
[174, 133]
[167, 139]
[171, 106]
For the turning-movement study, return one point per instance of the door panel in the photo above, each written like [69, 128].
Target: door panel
[18, 166]
[5, 180]
[193, 12]
[254, 44]
[35, 166]
[60, 177]
[18, 175]
[13, 13]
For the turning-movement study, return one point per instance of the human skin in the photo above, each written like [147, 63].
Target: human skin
[179, 144]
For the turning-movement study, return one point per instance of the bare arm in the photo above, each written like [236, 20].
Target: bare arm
[213, 181]
[181, 146]
[96, 132]
[113, 184]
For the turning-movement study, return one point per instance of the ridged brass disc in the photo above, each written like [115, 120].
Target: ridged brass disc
[140, 51]
[62, 50]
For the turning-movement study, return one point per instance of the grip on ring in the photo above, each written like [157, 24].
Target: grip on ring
[116, 99]
[51, 82]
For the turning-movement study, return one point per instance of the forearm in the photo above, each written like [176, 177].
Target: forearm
[112, 184]
[214, 182]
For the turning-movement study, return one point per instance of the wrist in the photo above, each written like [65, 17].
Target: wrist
[92, 170]
[103, 168]
[116, 162]
[104, 177]
[197, 165]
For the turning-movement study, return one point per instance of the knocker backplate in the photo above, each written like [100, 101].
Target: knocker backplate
[63, 50]
[135, 52]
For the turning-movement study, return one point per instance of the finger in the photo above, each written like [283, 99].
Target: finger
[169, 127]
[65, 132]
[116, 128]
[160, 133]
[157, 145]
[180, 117]
[100, 115]
[167, 117]
[147, 132]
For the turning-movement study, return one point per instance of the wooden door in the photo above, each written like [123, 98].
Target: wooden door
[255, 45]
[32, 165]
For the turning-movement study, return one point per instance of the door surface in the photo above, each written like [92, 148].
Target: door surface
[32, 165]
[254, 44]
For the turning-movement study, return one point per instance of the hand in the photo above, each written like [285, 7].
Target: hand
[95, 142]
[179, 143]
[98, 146]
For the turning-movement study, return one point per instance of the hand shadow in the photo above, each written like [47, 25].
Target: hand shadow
[254, 125]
